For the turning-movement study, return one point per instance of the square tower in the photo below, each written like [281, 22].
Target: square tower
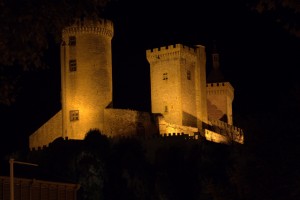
[178, 84]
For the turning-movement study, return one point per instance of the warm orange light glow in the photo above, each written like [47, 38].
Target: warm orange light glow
[179, 92]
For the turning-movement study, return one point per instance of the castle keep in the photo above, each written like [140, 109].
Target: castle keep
[182, 100]
[178, 80]
[86, 76]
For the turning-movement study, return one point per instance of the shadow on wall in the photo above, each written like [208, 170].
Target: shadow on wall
[125, 122]
[189, 120]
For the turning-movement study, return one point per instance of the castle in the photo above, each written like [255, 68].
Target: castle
[183, 101]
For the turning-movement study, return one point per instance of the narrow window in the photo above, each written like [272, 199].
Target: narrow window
[72, 41]
[165, 76]
[166, 109]
[72, 65]
[74, 115]
[188, 75]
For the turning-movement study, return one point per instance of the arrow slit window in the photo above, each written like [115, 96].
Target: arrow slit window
[188, 75]
[72, 41]
[72, 65]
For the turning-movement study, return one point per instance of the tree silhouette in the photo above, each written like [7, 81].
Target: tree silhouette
[284, 12]
[91, 165]
[28, 26]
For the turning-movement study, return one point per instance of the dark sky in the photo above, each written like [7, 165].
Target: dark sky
[257, 56]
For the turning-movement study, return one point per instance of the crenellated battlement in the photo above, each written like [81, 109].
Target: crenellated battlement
[166, 128]
[219, 84]
[224, 125]
[102, 27]
[180, 136]
[170, 51]
[220, 88]
[179, 92]
[227, 130]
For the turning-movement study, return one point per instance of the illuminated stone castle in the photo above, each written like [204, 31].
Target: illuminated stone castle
[183, 102]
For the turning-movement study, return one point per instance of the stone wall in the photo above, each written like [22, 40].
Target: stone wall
[233, 133]
[177, 72]
[87, 86]
[122, 122]
[166, 128]
[215, 137]
[219, 101]
[47, 133]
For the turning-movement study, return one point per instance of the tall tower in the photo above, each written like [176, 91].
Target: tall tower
[220, 93]
[176, 73]
[86, 76]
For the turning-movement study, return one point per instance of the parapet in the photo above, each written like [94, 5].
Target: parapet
[234, 133]
[216, 137]
[169, 51]
[175, 129]
[220, 88]
[103, 27]
[219, 84]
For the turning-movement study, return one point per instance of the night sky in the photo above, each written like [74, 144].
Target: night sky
[257, 56]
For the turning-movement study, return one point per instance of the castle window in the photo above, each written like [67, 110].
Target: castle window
[166, 109]
[74, 115]
[165, 76]
[215, 58]
[188, 75]
[72, 41]
[72, 65]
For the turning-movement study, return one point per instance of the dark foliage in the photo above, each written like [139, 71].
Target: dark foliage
[123, 168]
[28, 29]
[172, 167]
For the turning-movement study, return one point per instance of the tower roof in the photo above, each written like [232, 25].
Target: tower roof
[215, 74]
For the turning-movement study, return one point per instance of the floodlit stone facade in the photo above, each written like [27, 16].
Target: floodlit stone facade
[125, 122]
[86, 76]
[219, 101]
[177, 72]
[182, 100]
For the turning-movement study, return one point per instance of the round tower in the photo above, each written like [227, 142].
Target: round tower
[86, 76]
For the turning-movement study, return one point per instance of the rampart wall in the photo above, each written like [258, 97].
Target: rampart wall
[166, 128]
[215, 137]
[47, 133]
[234, 133]
[123, 122]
